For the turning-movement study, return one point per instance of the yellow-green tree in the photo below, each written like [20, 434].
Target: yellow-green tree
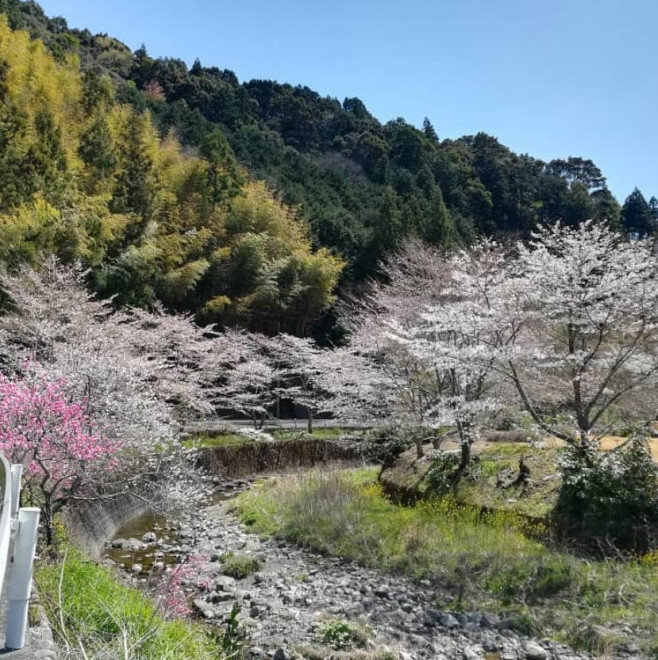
[267, 276]
[91, 180]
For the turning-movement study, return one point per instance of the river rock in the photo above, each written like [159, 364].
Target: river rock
[128, 544]
[488, 620]
[224, 583]
[203, 608]
[449, 621]
[533, 651]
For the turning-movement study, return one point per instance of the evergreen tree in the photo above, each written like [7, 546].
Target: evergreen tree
[429, 131]
[636, 215]
[97, 149]
[440, 229]
[135, 186]
[45, 163]
[223, 174]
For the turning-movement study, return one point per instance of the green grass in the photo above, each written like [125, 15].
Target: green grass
[500, 463]
[481, 561]
[240, 566]
[339, 635]
[90, 609]
[301, 433]
[205, 441]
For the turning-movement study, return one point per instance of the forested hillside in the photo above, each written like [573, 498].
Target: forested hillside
[90, 178]
[186, 185]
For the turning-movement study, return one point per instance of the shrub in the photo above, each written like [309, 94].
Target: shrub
[240, 566]
[440, 477]
[339, 635]
[609, 500]
[387, 443]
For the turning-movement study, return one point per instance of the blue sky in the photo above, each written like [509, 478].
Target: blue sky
[551, 78]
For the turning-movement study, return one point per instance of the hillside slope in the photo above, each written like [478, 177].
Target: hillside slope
[361, 185]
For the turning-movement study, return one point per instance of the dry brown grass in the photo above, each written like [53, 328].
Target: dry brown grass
[609, 442]
[612, 441]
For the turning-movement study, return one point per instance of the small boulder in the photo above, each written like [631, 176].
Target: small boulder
[533, 651]
[449, 621]
[203, 608]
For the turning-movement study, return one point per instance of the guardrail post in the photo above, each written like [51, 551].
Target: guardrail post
[20, 585]
[16, 474]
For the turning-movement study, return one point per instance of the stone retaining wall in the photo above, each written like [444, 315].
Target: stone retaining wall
[235, 461]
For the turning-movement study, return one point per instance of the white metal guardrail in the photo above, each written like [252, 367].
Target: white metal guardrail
[21, 524]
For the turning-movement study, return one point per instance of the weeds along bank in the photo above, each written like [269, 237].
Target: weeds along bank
[474, 562]
[96, 616]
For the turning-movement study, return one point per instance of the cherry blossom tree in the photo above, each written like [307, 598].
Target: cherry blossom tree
[566, 325]
[454, 343]
[52, 437]
[584, 358]
[354, 387]
[433, 331]
[141, 373]
[298, 372]
[413, 278]
[251, 390]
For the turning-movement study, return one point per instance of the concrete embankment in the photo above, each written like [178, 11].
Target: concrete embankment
[91, 524]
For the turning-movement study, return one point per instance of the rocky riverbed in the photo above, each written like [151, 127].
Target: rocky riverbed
[296, 596]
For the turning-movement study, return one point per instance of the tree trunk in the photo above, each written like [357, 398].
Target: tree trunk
[47, 519]
[260, 422]
[310, 420]
[419, 447]
[465, 457]
[466, 440]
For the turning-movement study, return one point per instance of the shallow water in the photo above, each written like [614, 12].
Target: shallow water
[165, 549]
[151, 552]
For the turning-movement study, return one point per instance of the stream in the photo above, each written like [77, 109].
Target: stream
[289, 603]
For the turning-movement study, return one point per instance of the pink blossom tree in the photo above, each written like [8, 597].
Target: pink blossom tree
[51, 436]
